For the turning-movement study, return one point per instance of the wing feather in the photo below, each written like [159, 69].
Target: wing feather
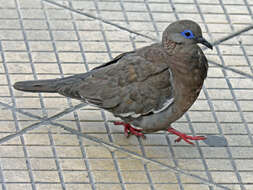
[129, 86]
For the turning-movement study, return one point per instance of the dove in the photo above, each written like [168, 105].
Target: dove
[148, 88]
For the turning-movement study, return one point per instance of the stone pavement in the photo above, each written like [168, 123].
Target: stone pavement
[54, 143]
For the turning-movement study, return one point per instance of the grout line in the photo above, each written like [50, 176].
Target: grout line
[232, 35]
[56, 159]
[209, 176]
[79, 40]
[246, 57]
[100, 19]
[178, 177]
[192, 130]
[237, 105]
[38, 124]
[248, 7]
[174, 161]
[132, 154]
[134, 47]
[43, 107]
[222, 134]
[77, 120]
[123, 187]
[167, 138]
[174, 9]
[152, 2]
[114, 147]
[8, 80]
[51, 138]
[251, 69]
[146, 165]
[152, 18]
[231, 69]
[28, 164]
[233, 30]
[212, 107]
[115, 162]
[3, 183]
[215, 43]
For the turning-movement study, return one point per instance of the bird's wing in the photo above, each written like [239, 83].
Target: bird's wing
[68, 86]
[114, 60]
[133, 85]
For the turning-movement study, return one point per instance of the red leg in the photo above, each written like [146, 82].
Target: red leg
[185, 137]
[128, 129]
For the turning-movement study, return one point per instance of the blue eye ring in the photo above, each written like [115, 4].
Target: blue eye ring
[187, 34]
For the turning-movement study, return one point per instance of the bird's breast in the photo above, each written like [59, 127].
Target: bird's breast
[188, 81]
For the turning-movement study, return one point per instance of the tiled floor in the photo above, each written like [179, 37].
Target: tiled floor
[54, 143]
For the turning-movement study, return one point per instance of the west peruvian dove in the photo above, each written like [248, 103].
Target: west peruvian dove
[148, 88]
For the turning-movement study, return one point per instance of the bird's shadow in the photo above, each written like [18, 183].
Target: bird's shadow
[216, 141]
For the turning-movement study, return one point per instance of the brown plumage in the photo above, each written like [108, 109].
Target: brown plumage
[149, 88]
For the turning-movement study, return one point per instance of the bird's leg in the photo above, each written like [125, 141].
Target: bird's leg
[128, 129]
[185, 137]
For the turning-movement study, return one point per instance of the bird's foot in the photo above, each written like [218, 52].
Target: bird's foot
[185, 137]
[129, 130]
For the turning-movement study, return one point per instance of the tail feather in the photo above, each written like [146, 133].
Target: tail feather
[50, 85]
[38, 85]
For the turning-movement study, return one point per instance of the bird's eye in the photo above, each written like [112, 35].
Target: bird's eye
[187, 34]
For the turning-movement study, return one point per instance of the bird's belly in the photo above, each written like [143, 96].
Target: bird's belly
[162, 120]
[157, 121]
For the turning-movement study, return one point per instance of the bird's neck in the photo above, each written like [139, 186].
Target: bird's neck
[170, 46]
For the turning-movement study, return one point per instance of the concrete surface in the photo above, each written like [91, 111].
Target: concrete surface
[51, 142]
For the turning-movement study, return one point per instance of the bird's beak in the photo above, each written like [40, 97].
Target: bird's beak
[204, 42]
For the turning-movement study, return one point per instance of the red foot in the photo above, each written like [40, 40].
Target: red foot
[185, 137]
[129, 130]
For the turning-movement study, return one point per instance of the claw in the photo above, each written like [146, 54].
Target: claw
[185, 137]
[129, 130]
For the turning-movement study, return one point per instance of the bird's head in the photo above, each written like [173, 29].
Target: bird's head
[185, 32]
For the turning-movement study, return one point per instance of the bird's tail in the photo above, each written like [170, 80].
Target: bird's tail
[50, 85]
[38, 85]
